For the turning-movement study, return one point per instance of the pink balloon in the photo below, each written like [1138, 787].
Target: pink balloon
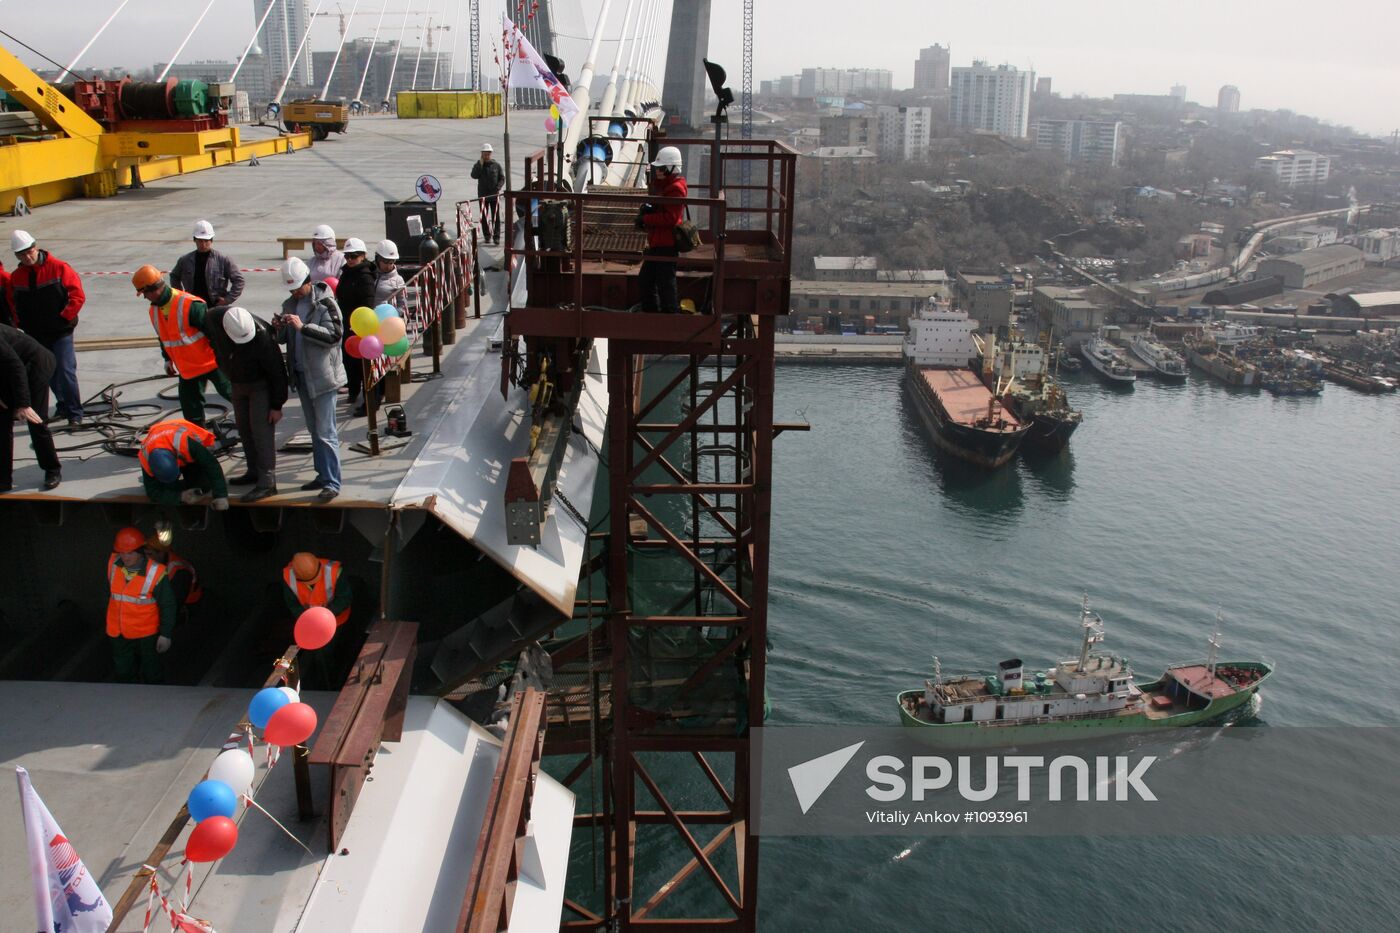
[391, 330]
[371, 347]
[332, 281]
[550, 125]
[315, 628]
[290, 725]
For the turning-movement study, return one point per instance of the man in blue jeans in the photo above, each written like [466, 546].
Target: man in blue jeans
[45, 296]
[310, 325]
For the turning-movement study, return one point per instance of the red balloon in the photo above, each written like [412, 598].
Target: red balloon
[212, 839]
[315, 628]
[290, 725]
[352, 346]
[332, 282]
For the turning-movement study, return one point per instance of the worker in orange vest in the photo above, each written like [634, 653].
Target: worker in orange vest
[184, 581]
[313, 581]
[140, 610]
[178, 465]
[179, 321]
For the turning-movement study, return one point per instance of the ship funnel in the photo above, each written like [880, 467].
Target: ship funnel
[1011, 676]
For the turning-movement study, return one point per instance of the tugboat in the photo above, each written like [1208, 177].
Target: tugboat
[1094, 691]
[1017, 373]
[962, 414]
[1108, 360]
[1165, 362]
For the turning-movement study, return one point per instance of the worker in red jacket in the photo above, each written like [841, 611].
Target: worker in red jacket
[658, 279]
[45, 296]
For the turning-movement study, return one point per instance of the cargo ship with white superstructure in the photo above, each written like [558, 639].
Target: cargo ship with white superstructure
[1018, 372]
[963, 416]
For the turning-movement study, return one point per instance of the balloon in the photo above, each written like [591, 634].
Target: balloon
[385, 311]
[315, 628]
[212, 798]
[397, 348]
[364, 322]
[352, 346]
[371, 348]
[331, 282]
[550, 125]
[234, 768]
[391, 330]
[291, 694]
[266, 701]
[212, 839]
[290, 725]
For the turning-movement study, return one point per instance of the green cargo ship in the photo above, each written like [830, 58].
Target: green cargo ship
[1080, 696]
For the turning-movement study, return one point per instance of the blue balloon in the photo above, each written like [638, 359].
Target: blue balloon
[266, 701]
[212, 798]
[386, 311]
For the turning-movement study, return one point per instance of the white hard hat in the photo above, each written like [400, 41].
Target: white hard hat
[354, 245]
[486, 147]
[20, 241]
[668, 157]
[294, 273]
[323, 232]
[239, 325]
[203, 230]
[387, 249]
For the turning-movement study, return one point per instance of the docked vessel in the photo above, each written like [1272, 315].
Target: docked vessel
[1017, 372]
[1067, 361]
[1107, 360]
[1165, 362]
[962, 415]
[1220, 363]
[1354, 377]
[1229, 334]
[1094, 691]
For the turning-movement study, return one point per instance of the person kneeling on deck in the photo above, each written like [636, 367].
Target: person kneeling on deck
[314, 581]
[184, 582]
[178, 465]
[658, 279]
[179, 321]
[141, 610]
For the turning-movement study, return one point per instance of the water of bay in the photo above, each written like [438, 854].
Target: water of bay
[1173, 502]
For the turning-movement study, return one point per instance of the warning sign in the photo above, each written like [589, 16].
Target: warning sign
[428, 189]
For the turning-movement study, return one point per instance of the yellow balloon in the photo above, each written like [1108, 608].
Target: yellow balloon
[364, 322]
[391, 330]
[554, 111]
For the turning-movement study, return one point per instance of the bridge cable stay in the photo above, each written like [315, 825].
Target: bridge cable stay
[340, 47]
[83, 51]
[186, 41]
[291, 69]
[393, 68]
[251, 39]
[369, 58]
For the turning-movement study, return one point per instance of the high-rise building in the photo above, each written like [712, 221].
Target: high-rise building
[1042, 87]
[1292, 167]
[987, 98]
[1179, 92]
[845, 131]
[931, 68]
[1082, 142]
[280, 38]
[904, 132]
[1229, 99]
[837, 82]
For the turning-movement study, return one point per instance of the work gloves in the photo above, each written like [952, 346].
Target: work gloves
[162, 644]
[192, 496]
[642, 211]
[220, 504]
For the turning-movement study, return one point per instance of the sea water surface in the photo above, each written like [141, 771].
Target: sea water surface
[1172, 503]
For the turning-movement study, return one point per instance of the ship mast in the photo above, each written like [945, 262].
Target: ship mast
[1093, 631]
[1214, 645]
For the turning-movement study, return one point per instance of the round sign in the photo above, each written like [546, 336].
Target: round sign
[428, 189]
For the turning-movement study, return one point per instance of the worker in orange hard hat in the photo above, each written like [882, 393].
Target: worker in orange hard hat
[140, 610]
[314, 581]
[180, 320]
[184, 581]
[178, 465]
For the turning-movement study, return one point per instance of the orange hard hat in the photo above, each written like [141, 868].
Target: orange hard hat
[128, 539]
[145, 277]
[305, 565]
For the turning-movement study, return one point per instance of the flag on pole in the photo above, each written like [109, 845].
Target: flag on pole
[66, 897]
[527, 69]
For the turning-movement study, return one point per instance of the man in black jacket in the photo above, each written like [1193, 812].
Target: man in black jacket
[354, 290]
[25, 370]
[490, 179]
[206, 273]
[249, 354]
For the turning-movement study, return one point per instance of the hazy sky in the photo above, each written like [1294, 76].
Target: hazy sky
[1328, 60]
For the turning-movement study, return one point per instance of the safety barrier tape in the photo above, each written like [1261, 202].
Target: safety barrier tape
[274, 269]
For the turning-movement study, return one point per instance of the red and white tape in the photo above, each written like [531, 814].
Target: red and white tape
[133, 272]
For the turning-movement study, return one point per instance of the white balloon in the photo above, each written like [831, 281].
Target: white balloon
[235, 768]
[292, 695]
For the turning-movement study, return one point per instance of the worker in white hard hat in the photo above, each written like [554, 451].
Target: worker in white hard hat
[207, 273]
[490, 180]
[354, 290]
[251, 358]
[658, 279]
[388, 284]
[312, 326]
[45, 296]
[327, 259]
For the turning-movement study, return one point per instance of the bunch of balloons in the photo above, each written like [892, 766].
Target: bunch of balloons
[551, 122]
[379, 331]
[280, 714]
[213, 803]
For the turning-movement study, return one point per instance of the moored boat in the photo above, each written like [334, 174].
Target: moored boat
[1108, 361]
[1220, 363]
[1017, 371]
[1165, 362]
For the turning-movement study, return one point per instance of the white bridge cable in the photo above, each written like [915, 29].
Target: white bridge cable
[610, 92]
[373, 44]
[176, 57]
[340, 47]
[291, 69]
[456, 41]
[251, 39]
[624, 98]
[583, 85]
[84, 50]
[393, 68]
[422, 40]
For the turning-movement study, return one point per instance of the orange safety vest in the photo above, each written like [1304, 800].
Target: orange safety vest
[319, 591]
[132, 611]
[184, 343]
[174, 434]
[174, 564]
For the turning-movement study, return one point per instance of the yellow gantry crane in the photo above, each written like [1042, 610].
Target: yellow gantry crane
[73, 155]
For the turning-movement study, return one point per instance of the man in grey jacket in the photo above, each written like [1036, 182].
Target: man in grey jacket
[311, 326]
[206, 272]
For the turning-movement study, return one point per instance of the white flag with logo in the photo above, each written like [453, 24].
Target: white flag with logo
[528, 69]
[66, 897]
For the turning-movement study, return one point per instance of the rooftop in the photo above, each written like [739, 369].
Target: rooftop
[1319, 258]
[848, 263]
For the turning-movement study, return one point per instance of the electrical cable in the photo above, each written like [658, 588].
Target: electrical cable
[30, 48]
